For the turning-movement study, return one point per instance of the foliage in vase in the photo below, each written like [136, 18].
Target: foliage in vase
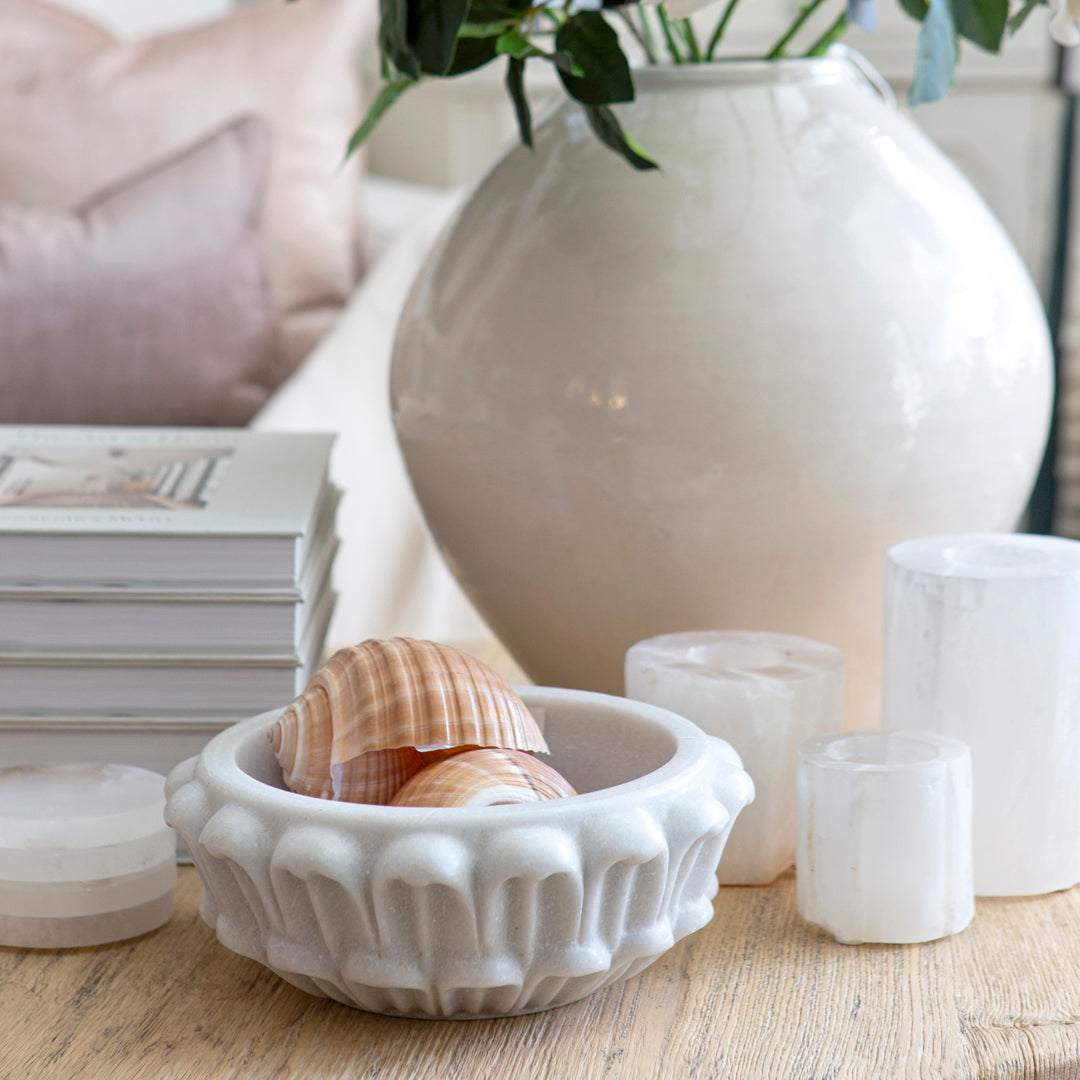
[422, 39]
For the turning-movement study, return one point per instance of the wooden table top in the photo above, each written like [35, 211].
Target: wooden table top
[756, 993]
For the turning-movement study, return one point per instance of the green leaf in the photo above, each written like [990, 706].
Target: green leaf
[483, 11]
[514, 43]
[515, 84]
[432, 28]
[387, 95]
[936, 55]
[609, 131]
[981, 21]
[594, 47]
[917, 9]
[484, 29]
[564, 62]
[470, 54]
[394, 38]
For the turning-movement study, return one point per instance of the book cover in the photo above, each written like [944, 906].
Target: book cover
[159, 480]
[136, 506]
[174, 682]
[149, 617]
[132, 622]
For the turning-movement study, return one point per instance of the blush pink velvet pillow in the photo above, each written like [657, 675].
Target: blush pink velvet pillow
[148, 303]
[80, 111]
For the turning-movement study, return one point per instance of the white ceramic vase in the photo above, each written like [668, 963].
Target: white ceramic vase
[713, 396]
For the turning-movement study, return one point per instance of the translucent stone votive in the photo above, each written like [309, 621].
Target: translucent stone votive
[884, 852]
[761, 692]
[85, 854]
[982, 642]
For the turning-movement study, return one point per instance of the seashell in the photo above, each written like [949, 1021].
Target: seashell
[433, 757]
[303, 750]
[398, 695]
[374, 777]
[485, 777]
[386, 693]
[304, 756]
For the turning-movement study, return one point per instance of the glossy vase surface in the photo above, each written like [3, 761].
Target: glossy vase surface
[713, 396]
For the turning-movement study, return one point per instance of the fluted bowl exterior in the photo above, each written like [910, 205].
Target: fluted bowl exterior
[468, 912]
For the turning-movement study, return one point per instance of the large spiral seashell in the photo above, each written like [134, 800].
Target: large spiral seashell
[395, 697]
[304, 755]
[485, 777]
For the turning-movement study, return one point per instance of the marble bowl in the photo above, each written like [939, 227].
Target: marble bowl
[468, 912]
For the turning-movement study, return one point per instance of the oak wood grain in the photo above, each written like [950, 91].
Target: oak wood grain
[756, 993]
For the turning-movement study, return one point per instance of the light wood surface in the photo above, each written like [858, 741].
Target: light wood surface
[756, 993]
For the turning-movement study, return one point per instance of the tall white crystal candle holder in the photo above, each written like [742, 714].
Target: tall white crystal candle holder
[761, 692]
[982, 642]
[884, 851]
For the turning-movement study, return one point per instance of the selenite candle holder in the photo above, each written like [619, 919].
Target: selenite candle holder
[982, 642]
[884, 852]
[85, 854]
[761, 692]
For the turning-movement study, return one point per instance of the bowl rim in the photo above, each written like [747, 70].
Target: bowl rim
[694, 750]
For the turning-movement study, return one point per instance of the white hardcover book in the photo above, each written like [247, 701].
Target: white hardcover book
[170, 683]
[36, 619]
[156, 506]
[156, 743]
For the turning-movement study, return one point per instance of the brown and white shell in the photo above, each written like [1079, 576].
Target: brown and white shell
[304, 755]
[485, 777]
[399, 695]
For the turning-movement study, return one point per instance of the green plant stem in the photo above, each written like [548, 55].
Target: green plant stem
[644, 39]
[1018, 19]
[647, 34]
[669, 36]
[778, 49]
[832, 34]
[686, 28]
[721, 26]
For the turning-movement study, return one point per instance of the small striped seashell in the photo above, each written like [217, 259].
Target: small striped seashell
[485, 777]
[398, 695]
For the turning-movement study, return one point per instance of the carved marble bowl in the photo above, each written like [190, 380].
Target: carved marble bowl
[468, 912]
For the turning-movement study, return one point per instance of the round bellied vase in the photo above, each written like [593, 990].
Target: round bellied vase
[714, 395]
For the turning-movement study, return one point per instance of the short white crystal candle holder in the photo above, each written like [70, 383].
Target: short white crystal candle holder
[85, 854]
[761, 692]
[982, 642]
[884, 852]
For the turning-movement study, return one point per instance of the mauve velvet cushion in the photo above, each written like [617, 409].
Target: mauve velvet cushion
[148, 304]
[80, 110]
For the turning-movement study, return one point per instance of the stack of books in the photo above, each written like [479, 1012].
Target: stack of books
[156, 585]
